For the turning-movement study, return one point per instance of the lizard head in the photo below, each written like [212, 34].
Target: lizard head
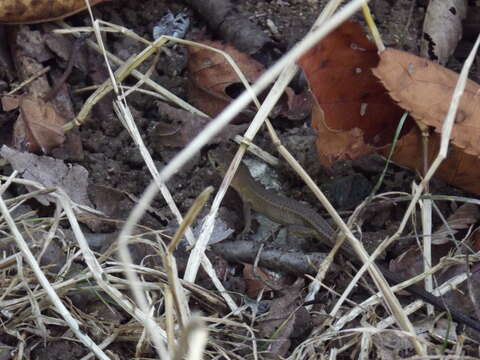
[220, 159]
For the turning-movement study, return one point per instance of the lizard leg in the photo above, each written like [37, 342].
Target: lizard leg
[301, 230]
[247, 218]
[297, 236]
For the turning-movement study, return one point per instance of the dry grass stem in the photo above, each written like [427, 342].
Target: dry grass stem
[42, 279]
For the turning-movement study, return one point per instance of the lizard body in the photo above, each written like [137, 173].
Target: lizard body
[290, 212]
[278, 208]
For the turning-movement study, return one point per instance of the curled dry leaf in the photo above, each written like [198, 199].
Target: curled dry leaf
[353, 115]
[39, 125]
[442, 29]
[213, 83]
[36, 11]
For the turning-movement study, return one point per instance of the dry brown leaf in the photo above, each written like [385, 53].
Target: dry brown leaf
[50, 173]
[285, 320]
[256, 280]
[29, 53]
[458, 169]
[464, 217]
[338, 70]
[476, 240]
[36, 11]
[425, 90]
[183, 126]
[213, 83]
[39, 125]
[354, 115]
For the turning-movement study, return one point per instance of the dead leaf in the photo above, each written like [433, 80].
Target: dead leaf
[460, 298]
[39, 125]
[458, 169]
[282, 321]
[442, 29]
[475, 240]
[31, 43]
[425, 90]
[353, 115]
[50, 173]
[464, 217]
[410, 262]
[419, 86]
[183, 126]
[10, 103]
[294, 106]
[62, 46]
[36, 11]
[213, 82]
[28, 54]
[256, 280]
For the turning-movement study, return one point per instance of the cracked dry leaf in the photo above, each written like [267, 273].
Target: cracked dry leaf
[36, 11]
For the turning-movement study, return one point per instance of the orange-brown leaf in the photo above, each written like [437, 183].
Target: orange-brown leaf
[256, 280]
[36, 11]
[425, 90]
[213, 83]
[458, 169]
[39, 125]
[351, 99]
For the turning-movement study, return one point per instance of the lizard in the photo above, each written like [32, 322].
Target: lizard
[290, 212]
